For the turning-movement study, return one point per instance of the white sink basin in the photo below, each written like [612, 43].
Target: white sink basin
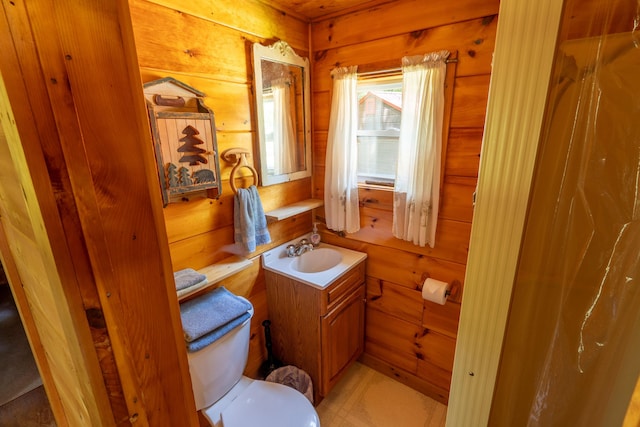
[317, 268]
[318, 260]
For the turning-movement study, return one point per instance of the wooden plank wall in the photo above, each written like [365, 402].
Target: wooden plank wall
[407, 337]
[84, 250]
[208, 46]
[42, 249]
[46, 317]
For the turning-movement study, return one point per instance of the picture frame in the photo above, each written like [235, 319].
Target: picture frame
[185, 142]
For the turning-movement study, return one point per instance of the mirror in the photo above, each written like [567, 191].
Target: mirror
[281, 80]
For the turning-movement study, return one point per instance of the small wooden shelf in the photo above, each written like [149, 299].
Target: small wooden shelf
[216, 273]
[293, 209]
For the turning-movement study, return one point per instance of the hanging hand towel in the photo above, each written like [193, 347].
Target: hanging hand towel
[250, 224]
[207, 313]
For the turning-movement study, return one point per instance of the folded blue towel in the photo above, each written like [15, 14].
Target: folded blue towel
[187, 278]
[212, 336]
[207, 313]
[249, 222]
[193, 288]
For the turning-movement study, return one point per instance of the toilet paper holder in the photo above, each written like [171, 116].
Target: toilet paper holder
[435, 290]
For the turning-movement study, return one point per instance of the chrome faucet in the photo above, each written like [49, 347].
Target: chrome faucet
[296, 250]
[304, 248]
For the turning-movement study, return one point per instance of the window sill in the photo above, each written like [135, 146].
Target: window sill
[369, 186]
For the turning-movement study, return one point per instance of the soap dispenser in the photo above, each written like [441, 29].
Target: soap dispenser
[315, 237]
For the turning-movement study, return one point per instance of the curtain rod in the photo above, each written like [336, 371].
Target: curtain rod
[394, 70]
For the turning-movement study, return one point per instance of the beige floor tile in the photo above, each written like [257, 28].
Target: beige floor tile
[345, 423]
[367, 398]
[348, 388]
[328, 416]
[438, 417]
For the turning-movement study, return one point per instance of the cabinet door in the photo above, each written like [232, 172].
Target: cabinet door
[342, 338]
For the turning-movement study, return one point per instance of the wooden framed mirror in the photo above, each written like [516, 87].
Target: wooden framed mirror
[282, 89]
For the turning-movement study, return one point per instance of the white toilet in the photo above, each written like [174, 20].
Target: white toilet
[229, 399]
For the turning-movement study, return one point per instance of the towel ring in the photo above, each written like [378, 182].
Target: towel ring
[239, 157]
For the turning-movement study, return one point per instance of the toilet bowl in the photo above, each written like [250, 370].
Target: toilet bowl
[264, 404]
[229, 399]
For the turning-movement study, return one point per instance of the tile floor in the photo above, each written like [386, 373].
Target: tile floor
[367, 398]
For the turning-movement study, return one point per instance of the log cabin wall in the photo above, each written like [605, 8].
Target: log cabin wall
[79, 228]
[208, 46]
[407, 337]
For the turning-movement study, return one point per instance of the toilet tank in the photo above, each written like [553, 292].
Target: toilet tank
[218, 367]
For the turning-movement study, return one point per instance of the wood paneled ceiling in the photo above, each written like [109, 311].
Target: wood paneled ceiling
[317, 9]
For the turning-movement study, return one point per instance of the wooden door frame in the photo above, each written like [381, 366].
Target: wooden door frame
[517, 98]
[63, 62]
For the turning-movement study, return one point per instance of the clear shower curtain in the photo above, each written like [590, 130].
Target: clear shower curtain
[572, 348]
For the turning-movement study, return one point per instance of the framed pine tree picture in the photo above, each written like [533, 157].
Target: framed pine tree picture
[185, 142]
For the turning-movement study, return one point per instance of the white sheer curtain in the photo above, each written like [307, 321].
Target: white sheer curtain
[284, 134]
[340, 182]
[417, 185]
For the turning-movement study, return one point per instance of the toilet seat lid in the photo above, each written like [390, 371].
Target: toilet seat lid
[269, 404]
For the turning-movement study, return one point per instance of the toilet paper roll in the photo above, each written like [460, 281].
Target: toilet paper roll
[435, 291]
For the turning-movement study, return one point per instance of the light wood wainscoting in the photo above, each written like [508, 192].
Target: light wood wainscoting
[407, 337]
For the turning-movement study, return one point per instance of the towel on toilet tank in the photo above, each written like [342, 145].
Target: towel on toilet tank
[203, 315]
[216, 334]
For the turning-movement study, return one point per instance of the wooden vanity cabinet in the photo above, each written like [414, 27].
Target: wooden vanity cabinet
[321, 331]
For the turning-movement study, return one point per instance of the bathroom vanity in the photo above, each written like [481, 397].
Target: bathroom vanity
[318, 325]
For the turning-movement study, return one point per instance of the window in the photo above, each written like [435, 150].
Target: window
[379, 112]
